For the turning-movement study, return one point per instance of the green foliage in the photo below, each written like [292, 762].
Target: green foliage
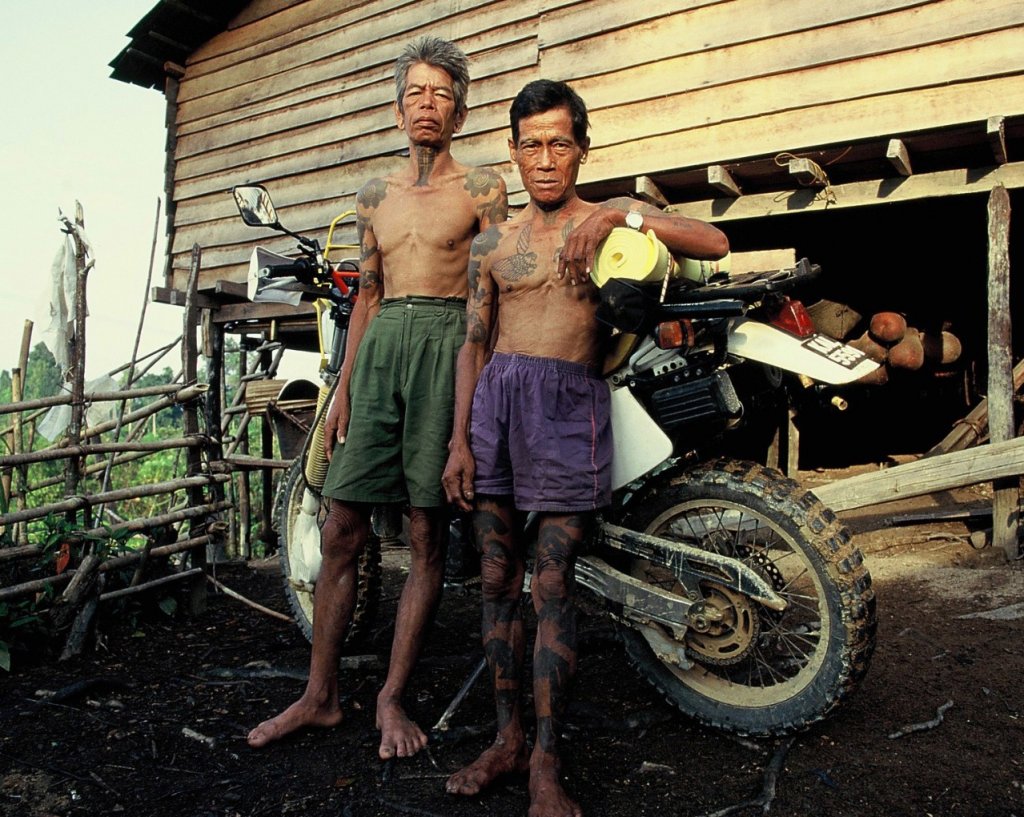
[42, 376]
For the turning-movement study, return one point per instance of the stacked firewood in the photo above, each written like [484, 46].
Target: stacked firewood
[897, 346]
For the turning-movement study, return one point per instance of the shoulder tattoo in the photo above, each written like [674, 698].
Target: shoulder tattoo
[372, 193]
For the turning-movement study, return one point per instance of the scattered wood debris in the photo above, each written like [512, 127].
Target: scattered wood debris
[926, 725]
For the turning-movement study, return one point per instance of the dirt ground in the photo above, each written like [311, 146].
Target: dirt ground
[152, 722]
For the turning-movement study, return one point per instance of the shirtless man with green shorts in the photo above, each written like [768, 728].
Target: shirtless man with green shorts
[392, 413]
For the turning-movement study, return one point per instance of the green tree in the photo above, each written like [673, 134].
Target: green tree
[5, 386]
[42, 376]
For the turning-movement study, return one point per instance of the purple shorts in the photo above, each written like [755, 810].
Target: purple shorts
[541, 433]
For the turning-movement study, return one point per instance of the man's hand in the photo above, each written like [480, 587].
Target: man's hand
[336, 425]
[458, 476]
[577, 256]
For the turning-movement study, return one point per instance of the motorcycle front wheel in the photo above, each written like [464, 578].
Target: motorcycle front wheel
[757, 671]
[297, 511]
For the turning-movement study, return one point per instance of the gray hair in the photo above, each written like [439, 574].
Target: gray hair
[441, 54]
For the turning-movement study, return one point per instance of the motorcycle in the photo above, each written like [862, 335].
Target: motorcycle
[740, 596]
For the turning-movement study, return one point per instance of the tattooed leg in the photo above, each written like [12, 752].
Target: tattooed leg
[501, 572]
[554, 657]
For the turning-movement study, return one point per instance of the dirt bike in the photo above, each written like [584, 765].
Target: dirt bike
[741, 596]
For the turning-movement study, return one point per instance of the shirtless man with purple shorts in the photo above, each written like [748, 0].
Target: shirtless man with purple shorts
[532, 427]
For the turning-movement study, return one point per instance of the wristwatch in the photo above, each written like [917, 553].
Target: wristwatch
[635, 220]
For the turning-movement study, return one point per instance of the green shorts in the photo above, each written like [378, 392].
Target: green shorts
[403, 404]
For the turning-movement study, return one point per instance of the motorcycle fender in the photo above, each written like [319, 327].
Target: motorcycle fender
[819, 357]
[638, 443]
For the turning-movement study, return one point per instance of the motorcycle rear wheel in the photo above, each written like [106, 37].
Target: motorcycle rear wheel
[758, 672]
[295, 536]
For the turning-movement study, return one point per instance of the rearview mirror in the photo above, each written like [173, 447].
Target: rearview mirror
[255, 206]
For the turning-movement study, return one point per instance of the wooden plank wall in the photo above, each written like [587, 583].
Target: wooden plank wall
[298, 95]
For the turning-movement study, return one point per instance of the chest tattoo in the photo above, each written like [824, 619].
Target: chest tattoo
[521, 263]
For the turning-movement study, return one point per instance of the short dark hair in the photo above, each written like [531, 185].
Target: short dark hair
[544, 95]
[441, 54]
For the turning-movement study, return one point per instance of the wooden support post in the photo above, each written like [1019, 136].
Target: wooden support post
[76, 358]
[722, 180]
[19, 486]
[897, 154]
[244, 497]
[996, 129]
[1005, 499]
[214, 348]
[189, 364]
[647, 190]
[267, 474]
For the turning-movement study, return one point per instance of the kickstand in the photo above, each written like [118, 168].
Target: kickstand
[460, 696]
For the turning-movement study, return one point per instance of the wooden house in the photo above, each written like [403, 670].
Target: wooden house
[865, 134]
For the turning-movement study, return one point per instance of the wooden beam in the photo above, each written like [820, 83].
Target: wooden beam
[249, 311]
[996, 129]
[1000, 366]
[648, 190]
[983, 463]
[722, 180]
[897, 154]
[858, 194]
[177, 297]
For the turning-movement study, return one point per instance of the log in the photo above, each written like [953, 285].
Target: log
[129, 591]
[927, 475]
[972, 428]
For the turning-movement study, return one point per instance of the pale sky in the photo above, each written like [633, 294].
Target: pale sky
[71, 132]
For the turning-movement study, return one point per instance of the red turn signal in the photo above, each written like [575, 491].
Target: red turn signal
[794, 318]
[674, 334]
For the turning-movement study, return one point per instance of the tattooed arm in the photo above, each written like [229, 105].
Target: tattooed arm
[480, 311]
[683, 236]
[371, 290]
[487, 190]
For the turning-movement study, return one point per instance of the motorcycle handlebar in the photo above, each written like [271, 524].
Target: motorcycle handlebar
[299, 268]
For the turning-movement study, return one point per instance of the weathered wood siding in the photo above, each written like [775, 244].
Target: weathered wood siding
[298, 95]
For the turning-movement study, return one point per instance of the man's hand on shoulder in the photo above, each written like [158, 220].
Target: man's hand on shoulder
[577, 255]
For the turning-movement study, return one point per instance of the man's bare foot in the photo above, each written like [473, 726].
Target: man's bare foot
[297, 716]
[547, 797]
[399, 736]
[498, 760]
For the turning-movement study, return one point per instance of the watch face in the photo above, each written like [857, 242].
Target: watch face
[634, 220]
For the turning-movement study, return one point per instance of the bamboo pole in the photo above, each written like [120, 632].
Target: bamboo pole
[132, 525]
[96, 397]
[75, 503]
[105, 482]
[51, 454]
[114, 563]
